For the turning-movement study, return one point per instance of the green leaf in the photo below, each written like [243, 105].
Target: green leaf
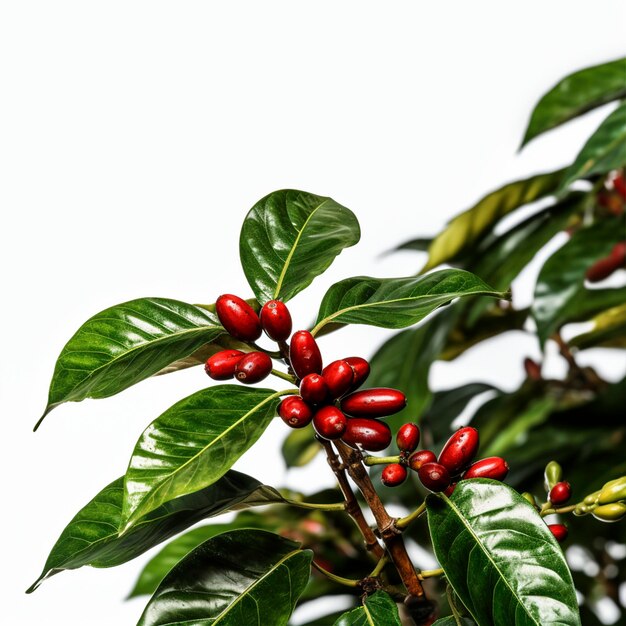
[467, 228]
[243, 577]
[576, 94]
[500, 557]
[300, 447]
[604, 151]
[379, 609]
[396, 302]
[609, 331]
[192, 444]
[126, 344]
[453, 621]
[92, 537]
[290, 237]
[421, 244]
[560, 284]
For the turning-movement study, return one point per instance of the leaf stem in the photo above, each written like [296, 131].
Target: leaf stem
[287, 377]
[551, 511]
[380, 566]
[335, 506]
[380, 460]
[348, 582]
[403, 522]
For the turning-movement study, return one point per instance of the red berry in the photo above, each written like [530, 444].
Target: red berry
[560, 493]
[533, 369]
[370, 434]
[253, 367]
[313, 389]
[376, 402]
[493, 467]
[361, 369]
[238, 317]
[618, 254]
[417, 459]
[559, 531]
[276, 320]
[339, 377]
[221, 366]
[408, 437]
[393, 475]
[619, 184]
[459, 450]
[295, 412]
[304, 354]
[329, 422]
[450, 489]
[434, 476]
[602, 269]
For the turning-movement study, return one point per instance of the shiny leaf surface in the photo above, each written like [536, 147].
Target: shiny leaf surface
[126, 344]
[475, 534]
[290, 237]
[604, 151]
[249, 577]
[192, 444]
[379, 609]
[561, 281]
[396, 302]
[576, 94]
[92, 537]
[300, 447]
[467, 228]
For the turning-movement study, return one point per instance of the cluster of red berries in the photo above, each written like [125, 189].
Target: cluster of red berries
[613, 199]
[560, 493]
[443, 473]
[604, 267]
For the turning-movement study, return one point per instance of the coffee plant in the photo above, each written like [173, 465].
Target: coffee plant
[495, 497]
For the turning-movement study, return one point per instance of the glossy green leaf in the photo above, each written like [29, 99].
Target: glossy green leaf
[300, 447]
[576, 94]
[453, 621]
[609, 331]
[500, 558]
[379, 609]
[92, 537]
[243, 577]
[126, 344]
[192, 444]
[561, 281]
[421, 244]
[604, 151]
[290, 237]
[466, 229]
[396, 302]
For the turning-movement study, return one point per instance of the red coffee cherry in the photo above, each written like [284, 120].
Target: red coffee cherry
[339, 376]
[560, 493]
[376, 402]
[295, 412]
[253, 367]
[313, 389]
[393, 475]
[459, 450]
[434, 476]
[221, 366]
[408, 437]
[361, 370]
[304, 354]
[329, 422]
[600, 270]
[370, 434]
[559, 531]
[238, 317]
[619, 184]
[276, 320]
[533, 369]
[417, 459]
[450, 489]
[618, 254]
[493, 467]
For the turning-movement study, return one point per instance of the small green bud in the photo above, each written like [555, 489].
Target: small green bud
[613, 491]
[583, 509]
[530, 498]
[610, 512]
[553, 474]
[592, 498]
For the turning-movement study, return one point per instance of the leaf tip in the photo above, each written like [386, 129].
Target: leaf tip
[41, 419]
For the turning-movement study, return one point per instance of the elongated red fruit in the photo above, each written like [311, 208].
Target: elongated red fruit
[376, 402]
[361, 370]
[618, 254]
[421, 457]
[434, 476]
[492, 467]
[276, 320]
[459, 450]
[295, 412]
[393, 475]
[560, 493]
[619, 184]
[339, 377]
[313, 389]
[408, 437]
[329, 422]
[370, 434]
[238, 317]
[304, 354]
[221, 366]
[559, 531]
[253, 367]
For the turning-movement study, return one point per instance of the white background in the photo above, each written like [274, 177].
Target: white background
[134, 136]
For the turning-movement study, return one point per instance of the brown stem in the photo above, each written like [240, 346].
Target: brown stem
[390, 534]
[352, 506]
